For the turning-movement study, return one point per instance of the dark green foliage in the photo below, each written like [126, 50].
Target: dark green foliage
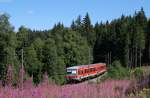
[116, 71]
[77, 24]
[126, 39]
[146, 57]
[23, 37]
[87, 30]
[8, 44]
[76, 49]
[32, 65]
[50, 56]
[138, 73]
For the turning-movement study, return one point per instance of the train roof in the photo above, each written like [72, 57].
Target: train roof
[80, 66]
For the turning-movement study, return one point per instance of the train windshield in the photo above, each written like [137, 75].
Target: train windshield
[71, 71]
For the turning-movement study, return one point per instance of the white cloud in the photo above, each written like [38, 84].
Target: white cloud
[5, 1]
[30, 12]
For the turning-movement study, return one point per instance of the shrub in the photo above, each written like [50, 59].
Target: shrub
[138, 73]
[117, 71]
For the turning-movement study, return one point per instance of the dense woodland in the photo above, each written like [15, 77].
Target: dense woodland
[126, 39]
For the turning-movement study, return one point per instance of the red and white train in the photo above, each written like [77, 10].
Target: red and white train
[84, 71]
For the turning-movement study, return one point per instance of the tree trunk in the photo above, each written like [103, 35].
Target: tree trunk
[128, 58]
[140, 58]
[149, 53]
[136, 56]
[131, 58]
[110, 58]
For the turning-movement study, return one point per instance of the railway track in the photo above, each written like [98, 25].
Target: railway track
[96, 79]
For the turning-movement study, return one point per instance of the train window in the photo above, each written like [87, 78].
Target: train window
[79, 72]
[94, 69]
[90, 69]
[71, 71]
[82, 71]
[86, 70]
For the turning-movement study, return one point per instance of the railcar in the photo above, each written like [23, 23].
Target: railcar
[78, 73]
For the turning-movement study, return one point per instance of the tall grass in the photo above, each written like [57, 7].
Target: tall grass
[107, 89]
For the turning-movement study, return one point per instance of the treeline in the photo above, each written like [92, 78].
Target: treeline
[126, 39]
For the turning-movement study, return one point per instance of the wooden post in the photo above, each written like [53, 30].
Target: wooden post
[22, 61]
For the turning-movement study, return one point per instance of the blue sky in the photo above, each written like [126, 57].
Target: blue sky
[43, 14]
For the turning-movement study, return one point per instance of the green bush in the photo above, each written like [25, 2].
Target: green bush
[138, 73]
[117, 71]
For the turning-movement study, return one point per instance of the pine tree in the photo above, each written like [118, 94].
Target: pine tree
[87, 30]
[32, 65]
[50, 57]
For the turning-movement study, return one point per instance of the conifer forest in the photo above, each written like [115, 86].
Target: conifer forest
[39, 56]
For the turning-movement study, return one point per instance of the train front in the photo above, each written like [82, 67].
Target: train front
[72, 74]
